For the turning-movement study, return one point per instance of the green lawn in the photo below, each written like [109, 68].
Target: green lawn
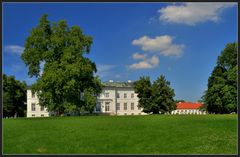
[152, 134]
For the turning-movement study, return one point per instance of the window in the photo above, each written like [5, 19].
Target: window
[125, 113]
[33, 107]
[132, 95]
[132, 113]
[125, 106]
[118, 95]
[42, 115]
[106, 95]
[125, 95]
[107, 106]
[33, 115]
[42, 108]
[139, 113]
[132, 106]
[118, 106]
[33, 94]
[98, 107]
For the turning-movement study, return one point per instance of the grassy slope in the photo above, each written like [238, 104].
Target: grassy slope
[179, 134]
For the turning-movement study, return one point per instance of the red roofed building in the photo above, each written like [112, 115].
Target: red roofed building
[188, 108]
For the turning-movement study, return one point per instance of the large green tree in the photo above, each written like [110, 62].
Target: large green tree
[67, 72]
[163, 96]
[157, 97]
[143, 88]
[14, 97]
[221, 95]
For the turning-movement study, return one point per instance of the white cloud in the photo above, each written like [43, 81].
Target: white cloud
[105, 70]
[161, 44]
[141, 65]
[154, 60]
[139, 56]
[15, 49]
[147, 63]
[193, 13]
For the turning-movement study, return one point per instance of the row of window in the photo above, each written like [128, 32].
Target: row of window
[107, 106]
[185, 111]
[132, 114]
[106, 95]
[118, 95]
[33, 115]
[125, 106]
[33, 107]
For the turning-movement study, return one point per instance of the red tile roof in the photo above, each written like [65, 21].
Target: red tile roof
[188, 105]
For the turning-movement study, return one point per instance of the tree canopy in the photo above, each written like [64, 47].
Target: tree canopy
[67, 72]
[221, 95]
[14, 97]
[156, 97]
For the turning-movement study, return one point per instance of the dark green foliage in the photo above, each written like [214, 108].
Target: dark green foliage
[221, 95]
[14, 97]
[156, 97]
[163, 96]
[143, 88]
[67, 73]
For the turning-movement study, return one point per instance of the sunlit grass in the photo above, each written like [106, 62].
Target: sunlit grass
[152, 134]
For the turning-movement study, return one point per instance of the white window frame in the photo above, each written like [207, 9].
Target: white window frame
[125, 106]
[107, 95]
[33, 106]
[118, 106]
[132, 106]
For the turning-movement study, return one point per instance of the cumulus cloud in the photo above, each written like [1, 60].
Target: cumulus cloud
[15, 49]
[147, 63]
[154, 60]
[139, 56]
[193, 13]
[161, 44]
[105, 70]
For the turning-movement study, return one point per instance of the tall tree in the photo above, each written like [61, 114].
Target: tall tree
[157, 97]
[67, 72]
[14, 97]
[163, 96]
[221, 95]
[143, 88]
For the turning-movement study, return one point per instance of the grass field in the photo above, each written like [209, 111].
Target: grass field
[152, 134]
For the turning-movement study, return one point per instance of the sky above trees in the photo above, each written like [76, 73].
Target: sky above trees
[179, 40]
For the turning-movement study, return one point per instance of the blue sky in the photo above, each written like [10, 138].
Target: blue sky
[180, 40]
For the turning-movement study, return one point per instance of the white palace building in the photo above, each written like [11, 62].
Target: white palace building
[117, 98]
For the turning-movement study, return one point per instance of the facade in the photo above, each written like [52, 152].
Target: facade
[117, 98]
[33, 109]
[188, 108]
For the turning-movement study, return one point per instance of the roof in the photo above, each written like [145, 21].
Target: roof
[189, 105]
[118, 84]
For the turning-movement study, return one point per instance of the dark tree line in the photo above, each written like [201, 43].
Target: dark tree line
[14, 97]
